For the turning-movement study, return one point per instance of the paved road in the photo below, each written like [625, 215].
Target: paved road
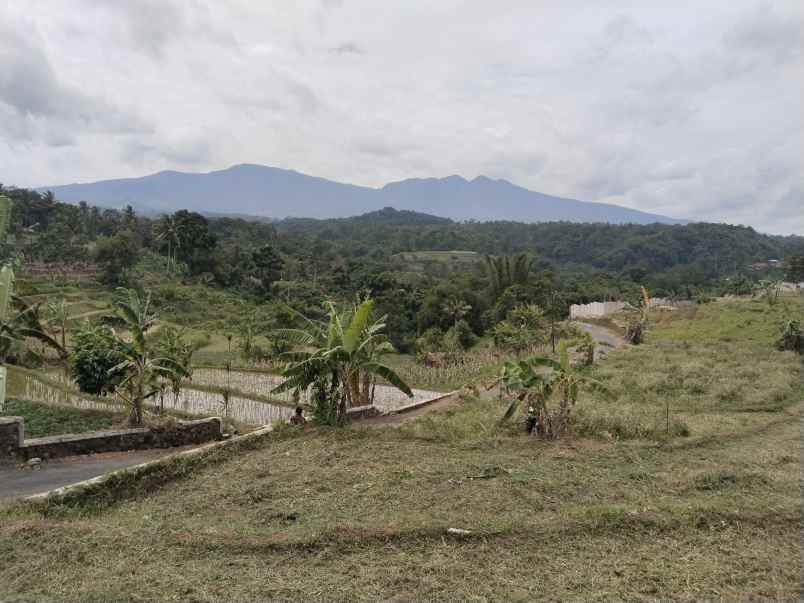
[606, 339]
[16, 482]
[410, 415]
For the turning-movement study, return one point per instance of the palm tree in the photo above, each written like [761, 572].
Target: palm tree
[339, 359]
[141, 369]
[507, 270]
[456, 309]
[168, 230]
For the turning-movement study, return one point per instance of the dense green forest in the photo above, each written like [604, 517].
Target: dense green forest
[389, 254]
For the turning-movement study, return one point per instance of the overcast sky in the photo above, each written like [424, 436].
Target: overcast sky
[691, 110]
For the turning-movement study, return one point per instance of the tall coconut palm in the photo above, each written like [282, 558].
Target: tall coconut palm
[456, 309]
[339, 358]
[168, 230]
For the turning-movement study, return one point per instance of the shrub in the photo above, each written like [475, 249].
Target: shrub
[523, 329]
[95, 352]
[430, 341]
[460, 337]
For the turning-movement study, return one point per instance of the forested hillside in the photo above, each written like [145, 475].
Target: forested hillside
[673, 254]
[393, 256]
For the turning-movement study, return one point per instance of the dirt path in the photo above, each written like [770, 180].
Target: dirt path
[16, 482]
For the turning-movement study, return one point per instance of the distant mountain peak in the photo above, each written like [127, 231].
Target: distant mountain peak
[253, 189]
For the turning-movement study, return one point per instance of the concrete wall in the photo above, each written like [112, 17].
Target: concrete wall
[595, 309]
[182, 433]
[598, 309]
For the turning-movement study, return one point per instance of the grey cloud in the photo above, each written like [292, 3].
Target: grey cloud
[621, 34]
[347, 48]
[29, 85]
[188, 152]
[152, 26]
[384, 145]
[691, 113]
[760, 41]
[46, 106]
[767, 33]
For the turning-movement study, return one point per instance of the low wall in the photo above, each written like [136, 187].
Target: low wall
[181, 433]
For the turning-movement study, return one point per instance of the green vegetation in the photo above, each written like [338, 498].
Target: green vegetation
[211, 273]
[340, 359]
[694, 449]
[45, 420]
[549, 395]
[142, 364]
[95, 352]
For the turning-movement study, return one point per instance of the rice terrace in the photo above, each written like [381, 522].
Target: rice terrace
[377, 379]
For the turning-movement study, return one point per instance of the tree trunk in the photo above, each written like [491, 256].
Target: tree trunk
[365, 394]
[135, 418]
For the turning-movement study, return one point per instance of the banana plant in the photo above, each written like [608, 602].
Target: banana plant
[141, 368]
[536, 381]
[24, 321]
[339, 358]
[58, 316]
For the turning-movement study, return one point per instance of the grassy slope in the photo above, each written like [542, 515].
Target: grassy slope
[44, 420]
[710, 516]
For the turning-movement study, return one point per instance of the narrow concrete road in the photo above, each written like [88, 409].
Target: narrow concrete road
[16, 482]
[606, 339]
[410, 415]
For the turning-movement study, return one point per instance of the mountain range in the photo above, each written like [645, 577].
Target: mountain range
[259, 190]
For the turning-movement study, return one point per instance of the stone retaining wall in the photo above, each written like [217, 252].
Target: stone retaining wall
[182, 433]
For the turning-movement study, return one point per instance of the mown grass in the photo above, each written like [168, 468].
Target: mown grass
[45, 420]
[363, 513]
[705, 365]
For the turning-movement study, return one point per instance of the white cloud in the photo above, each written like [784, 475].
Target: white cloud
[692, 111]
